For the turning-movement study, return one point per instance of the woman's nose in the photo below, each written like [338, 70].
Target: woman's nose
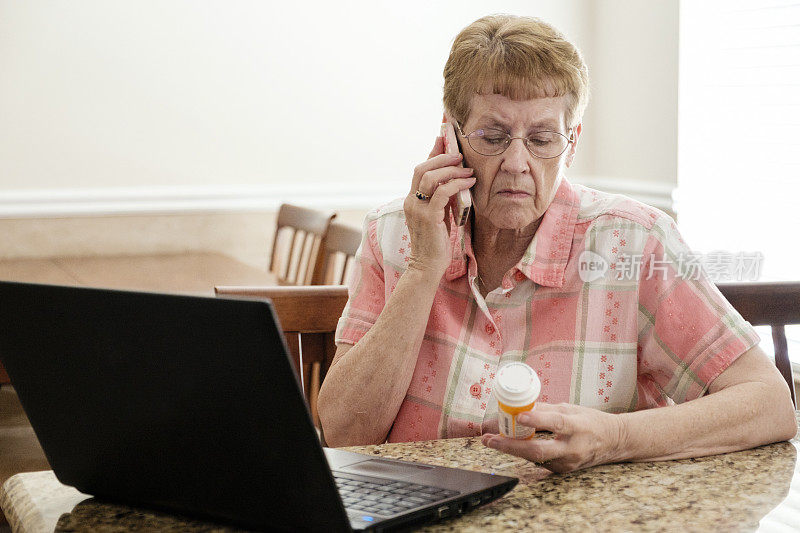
[515, 157]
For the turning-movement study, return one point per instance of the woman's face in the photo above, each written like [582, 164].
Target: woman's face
[514, 189]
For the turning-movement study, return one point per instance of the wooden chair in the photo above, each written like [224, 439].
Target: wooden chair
[341, 242]
[769, 304]
[308, 317]
[295, 263]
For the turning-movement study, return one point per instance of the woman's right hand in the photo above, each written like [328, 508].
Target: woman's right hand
[440, 177]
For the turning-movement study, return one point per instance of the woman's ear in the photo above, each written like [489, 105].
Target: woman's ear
[576, 133]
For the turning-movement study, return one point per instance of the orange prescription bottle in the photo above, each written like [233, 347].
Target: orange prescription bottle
[516, 389]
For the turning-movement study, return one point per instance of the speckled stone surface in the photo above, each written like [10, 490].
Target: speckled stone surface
[740, 491]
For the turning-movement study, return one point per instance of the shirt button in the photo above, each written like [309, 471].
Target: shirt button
[475, 390]
[489, 329]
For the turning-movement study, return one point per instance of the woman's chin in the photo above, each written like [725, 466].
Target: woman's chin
[512, 220]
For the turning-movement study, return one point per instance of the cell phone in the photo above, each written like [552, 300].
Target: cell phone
[463, 200]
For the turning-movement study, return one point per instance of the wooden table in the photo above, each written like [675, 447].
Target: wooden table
[186, 273]
[741, 491]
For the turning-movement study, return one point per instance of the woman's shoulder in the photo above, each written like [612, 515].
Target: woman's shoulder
[385, 225]
[598, 205]
[393, 209]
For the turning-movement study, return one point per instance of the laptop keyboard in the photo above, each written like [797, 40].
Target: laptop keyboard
[386, 496]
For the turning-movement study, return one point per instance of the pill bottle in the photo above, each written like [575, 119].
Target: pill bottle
[516, 389]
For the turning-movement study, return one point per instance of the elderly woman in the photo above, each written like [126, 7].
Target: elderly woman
[642, 362]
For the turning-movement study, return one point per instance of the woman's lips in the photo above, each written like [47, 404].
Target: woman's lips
[513, 193]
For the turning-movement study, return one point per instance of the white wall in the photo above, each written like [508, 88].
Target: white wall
[128, 93]
[635, 83]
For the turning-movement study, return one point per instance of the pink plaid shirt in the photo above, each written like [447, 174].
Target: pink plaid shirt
[646, 333]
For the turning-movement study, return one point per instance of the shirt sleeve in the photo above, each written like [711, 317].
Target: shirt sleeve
[366, 288]
[688, 332]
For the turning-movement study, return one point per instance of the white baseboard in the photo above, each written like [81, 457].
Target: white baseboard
[52, 203]
[77, 202]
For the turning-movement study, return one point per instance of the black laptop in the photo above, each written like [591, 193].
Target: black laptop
[191, 405]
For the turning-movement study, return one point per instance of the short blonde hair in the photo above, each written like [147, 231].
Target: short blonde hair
[519, 57]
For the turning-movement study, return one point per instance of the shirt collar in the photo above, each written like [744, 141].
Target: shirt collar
[545, 260]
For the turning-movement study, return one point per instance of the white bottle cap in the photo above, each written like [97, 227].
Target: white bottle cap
[517, 385]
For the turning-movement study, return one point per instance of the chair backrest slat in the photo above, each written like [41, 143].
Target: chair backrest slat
[293, 343]
[294, 256]
[308, 254]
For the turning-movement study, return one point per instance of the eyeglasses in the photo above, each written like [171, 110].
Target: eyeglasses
[542, 144]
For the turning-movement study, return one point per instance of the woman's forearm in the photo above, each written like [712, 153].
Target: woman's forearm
[363, 391]
[738, 417]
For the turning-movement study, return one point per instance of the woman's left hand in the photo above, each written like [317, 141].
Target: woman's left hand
[584, 437]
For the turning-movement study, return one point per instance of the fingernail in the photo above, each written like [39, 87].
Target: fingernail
[524, 419]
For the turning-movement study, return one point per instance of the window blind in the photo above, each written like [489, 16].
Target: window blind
[739, 135]
[739, 130]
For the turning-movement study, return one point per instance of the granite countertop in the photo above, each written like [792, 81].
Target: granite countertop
[740, 491]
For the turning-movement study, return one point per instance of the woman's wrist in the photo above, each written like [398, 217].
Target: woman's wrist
[424, 275]
[621, 442]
